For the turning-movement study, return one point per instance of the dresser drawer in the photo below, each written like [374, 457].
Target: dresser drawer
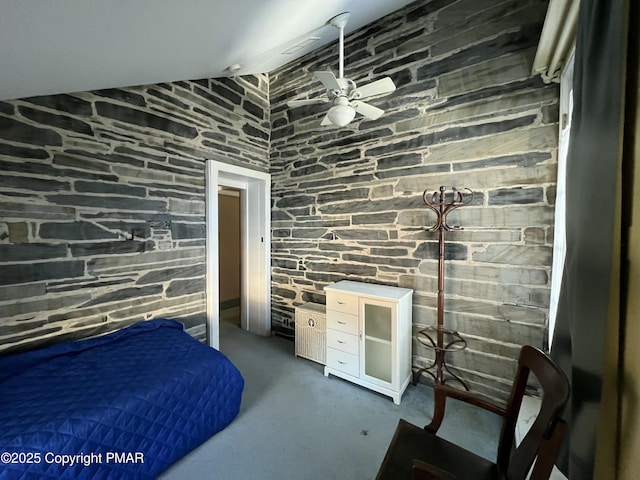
[344, 362]
[342, 322]
[340, 302]
[342, 341]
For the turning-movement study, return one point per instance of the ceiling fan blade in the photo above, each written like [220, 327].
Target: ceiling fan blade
[300, 103]
[379, 87]
[369, 111]
[328, 79]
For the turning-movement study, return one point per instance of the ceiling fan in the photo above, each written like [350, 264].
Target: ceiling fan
[343, 93]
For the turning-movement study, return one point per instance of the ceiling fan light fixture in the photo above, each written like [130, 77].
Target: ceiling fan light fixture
[341, 113]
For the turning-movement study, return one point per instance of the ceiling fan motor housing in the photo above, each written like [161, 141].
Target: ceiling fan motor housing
[347, 89]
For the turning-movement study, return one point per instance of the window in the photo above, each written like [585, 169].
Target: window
[559, 238]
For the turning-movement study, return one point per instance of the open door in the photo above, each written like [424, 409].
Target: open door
[255, 297]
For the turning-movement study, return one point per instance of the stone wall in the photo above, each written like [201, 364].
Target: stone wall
[102, 203]
[347, 202]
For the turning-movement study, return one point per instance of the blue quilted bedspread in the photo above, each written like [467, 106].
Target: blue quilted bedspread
[125, 405]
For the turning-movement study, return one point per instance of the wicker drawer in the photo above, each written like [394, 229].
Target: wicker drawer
[344, 362]
[310, 341]
[340, 302]
[342, 341]
[343, 322]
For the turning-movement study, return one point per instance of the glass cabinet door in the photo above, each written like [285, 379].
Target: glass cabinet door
[377, 331]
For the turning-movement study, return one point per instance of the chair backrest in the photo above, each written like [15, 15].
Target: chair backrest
[545, 435]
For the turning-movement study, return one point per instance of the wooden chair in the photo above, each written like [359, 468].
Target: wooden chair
[418, 454]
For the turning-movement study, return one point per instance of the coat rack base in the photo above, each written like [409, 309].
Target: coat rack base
[441, 341]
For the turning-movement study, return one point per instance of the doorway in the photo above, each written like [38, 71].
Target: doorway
[254, 189]
[229, 254]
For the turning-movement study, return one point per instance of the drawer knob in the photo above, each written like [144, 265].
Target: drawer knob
[342, 342]
[342, 323]
[341, 362]
[311, 322]
[341, 303]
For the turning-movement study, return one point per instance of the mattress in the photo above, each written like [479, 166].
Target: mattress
[125, 405]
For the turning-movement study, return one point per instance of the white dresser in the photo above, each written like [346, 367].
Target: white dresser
[369, 336]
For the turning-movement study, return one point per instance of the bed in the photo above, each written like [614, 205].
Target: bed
[124, 405]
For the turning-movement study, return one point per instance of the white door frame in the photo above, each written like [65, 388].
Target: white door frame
[255, 233]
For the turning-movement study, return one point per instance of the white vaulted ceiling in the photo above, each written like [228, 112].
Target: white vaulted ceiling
[63, 46]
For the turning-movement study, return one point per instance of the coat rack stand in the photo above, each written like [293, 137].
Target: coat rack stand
[438, 338]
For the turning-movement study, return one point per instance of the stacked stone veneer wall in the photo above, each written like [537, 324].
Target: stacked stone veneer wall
[347, 202]
[102, 198]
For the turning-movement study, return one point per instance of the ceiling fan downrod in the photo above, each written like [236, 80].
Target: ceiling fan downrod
[340, 21]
